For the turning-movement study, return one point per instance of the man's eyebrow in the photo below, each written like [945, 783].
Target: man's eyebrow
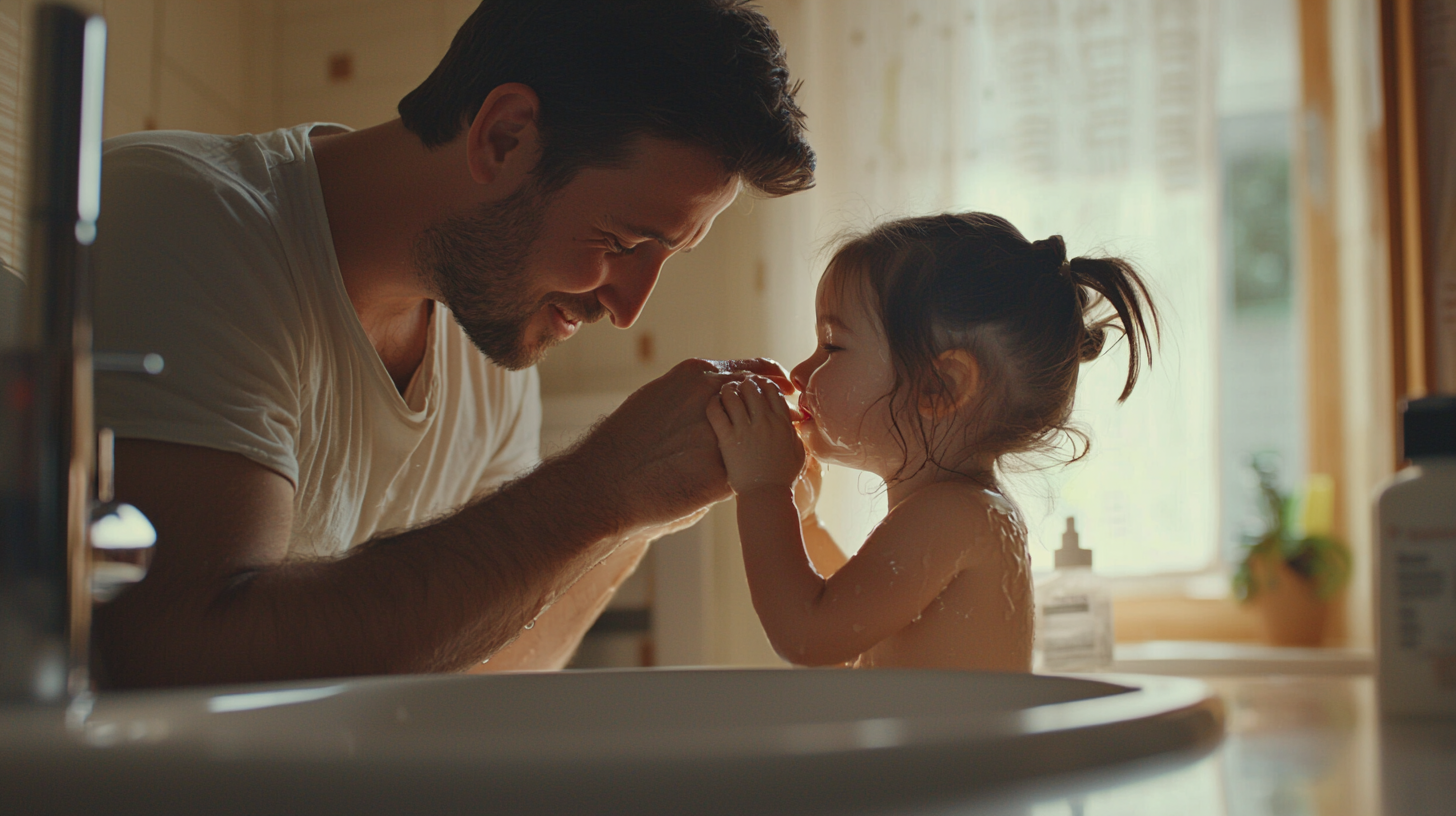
[647, 232]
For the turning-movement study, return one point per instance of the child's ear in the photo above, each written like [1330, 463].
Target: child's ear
[961, 376]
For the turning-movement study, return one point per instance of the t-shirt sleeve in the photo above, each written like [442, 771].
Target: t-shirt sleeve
[189, 265]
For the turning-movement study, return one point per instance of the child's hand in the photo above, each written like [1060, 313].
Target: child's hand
[759, 444]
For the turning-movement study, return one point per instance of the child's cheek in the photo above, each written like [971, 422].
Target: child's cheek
[829, 437]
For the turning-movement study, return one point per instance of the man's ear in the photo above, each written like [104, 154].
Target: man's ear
[503, 141]
[961, 376]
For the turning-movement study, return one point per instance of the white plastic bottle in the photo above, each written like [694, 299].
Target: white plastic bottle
[1073, 612]
[1415, 517]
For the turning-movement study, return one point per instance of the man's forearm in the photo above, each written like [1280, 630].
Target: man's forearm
[435, 598]
[551, 643]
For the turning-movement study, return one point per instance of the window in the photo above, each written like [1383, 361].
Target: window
[1155, 131]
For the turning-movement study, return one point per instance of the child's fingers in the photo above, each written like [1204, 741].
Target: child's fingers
[732, 399]
[718, 418]
[776, 402]
[753, 398]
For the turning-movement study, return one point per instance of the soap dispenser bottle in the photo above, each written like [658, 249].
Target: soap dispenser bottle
[1415, 516]
[1073, 611]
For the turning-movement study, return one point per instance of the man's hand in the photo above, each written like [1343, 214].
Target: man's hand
[656, 454]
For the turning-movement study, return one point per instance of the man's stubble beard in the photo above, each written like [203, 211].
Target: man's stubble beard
[478, 263]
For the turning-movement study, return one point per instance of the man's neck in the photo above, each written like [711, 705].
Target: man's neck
[381, 187]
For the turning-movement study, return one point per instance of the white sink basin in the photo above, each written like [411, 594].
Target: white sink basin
[741, 742]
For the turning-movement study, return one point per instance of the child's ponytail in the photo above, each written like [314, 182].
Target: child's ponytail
[1124, 290]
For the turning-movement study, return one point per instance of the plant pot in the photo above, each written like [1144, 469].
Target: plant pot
[1292, 612]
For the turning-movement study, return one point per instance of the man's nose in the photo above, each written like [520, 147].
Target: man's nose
[628, 290]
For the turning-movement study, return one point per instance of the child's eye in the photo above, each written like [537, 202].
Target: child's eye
[830, 348]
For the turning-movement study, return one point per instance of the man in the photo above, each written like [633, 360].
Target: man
[349, 320]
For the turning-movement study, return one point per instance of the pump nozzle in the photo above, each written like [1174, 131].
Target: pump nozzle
[1071, 554]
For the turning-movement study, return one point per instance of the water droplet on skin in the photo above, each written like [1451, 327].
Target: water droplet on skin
[531, 625]
[1009, 531]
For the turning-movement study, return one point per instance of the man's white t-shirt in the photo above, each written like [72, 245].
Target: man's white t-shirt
[215, 252]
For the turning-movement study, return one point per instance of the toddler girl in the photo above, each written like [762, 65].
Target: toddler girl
[946, 343]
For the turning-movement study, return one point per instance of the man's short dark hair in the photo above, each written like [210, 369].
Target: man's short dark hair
[708, 73]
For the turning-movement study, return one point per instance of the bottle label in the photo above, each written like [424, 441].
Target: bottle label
[1068, 629]
[1424, 565]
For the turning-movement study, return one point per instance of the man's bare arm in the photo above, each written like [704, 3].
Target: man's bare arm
[551, 643]
[221, 603]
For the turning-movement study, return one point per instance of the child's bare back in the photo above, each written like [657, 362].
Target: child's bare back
[982, 618]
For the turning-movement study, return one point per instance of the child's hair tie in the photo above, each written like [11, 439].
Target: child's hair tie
[1054, 249]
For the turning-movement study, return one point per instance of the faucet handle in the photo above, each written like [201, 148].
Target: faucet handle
[127, 362]
[122, 537]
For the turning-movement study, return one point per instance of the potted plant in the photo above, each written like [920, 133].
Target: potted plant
[1292, 574]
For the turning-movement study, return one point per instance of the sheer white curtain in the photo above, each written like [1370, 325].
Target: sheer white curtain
[1092, 119]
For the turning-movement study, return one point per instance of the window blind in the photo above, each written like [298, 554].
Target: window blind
[11, 184]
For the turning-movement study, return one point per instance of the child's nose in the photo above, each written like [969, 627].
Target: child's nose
[800, 375]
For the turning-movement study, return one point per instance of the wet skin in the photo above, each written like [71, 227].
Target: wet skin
[942, 582]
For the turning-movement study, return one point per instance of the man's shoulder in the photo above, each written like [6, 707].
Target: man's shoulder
[191, 227]
[250, 185]
[196, 167]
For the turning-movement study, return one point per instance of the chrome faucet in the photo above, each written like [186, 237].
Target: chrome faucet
[47, 434]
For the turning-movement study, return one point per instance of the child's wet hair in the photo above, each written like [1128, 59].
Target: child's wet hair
[1027, 314]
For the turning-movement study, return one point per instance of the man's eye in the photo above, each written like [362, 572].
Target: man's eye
[617, 248]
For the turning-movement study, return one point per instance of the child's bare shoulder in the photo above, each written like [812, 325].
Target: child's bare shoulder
[962, 506]
[951, 495]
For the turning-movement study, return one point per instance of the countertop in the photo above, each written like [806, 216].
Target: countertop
[1295, 745]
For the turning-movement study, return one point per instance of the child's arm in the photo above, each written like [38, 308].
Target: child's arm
[821, 547]
[825, 554]
[900, 570]
[763, 456]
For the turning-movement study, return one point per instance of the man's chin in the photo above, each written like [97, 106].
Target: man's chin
[514, 350]
[524, 354]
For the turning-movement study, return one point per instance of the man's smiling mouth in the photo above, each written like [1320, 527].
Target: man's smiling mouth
[565, 324]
